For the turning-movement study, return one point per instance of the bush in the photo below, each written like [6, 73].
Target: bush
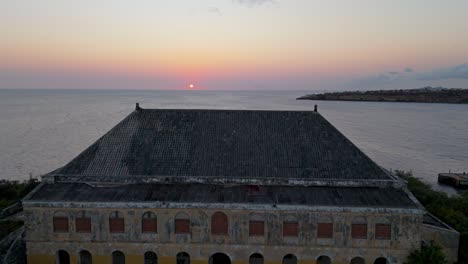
[451, 210]
[12, 191]
[428, 254]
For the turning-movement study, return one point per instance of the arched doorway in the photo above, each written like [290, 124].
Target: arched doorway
[62, 257]
[182, 258]
[290, 259]
[219, 258]
[118, 257]
[357, 260]
[85, 257]
[381, 261]
[256, 258]
[151, 258]
[323, 260]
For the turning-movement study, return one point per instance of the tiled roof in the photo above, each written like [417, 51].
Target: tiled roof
[205, 193]
[225, 143]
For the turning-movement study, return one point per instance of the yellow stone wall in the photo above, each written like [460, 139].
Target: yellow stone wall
[42, 243]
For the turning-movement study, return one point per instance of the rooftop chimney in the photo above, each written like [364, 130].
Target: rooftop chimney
[137, 107]
[315, 108]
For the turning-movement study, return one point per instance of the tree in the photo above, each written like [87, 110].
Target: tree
[428, 254]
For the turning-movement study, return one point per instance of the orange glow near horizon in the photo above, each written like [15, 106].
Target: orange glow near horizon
[175, 43]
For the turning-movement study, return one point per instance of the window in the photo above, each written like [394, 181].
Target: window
[85, 257]
[359, 231]
[323, 260]
[290, 259]
[383, 231]
[60, 222]
[182, 226]
[357, 260]
[219, 258]
[116, 222]
[290, 229]
[118, 257]
[149, 223]
[83, 223]
[256, 228]
[381, 261]
[151, 258]
[219, 224]
[183, 258]
[62, 257]
[256, 258]
[324, 230]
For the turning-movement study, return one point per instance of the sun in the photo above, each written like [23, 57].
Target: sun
[191, 86]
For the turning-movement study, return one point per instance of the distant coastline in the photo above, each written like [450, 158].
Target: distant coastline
[422, 95]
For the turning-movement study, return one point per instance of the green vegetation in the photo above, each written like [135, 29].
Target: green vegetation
[428, 254]
[451, 210]
[8, 226]
[13, 191]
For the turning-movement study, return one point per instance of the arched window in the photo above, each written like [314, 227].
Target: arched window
[149, 223]
[290, 226]
[118, 257]
[219, 224]
[256, 225]
[383, 231]
[325, 227]
[83, 222]
[290, 259]
[381, 261]
[357, 260]
[85, 257]
[256, 258]
[62, 257]
[323, 260]
[182, 223]
[219, 258]
[151, 258]
[183, 258]
[60, 222]
[116, 222]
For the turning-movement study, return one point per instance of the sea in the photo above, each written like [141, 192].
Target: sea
[41, 130]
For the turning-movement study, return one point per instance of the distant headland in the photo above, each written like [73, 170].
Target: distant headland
[421, 95]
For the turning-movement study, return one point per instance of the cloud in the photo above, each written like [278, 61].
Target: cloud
[252, 3]
[454, 72]
[394, 78]
[214, 10]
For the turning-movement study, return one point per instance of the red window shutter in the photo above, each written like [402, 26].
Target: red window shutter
[256, 228]
[149, 225]
[219, 224]
[116, 225]
[383, 231]
[83, 225]
[359, 231]
[290, 229]
[60, 224]
[182, 226]
[325, 230]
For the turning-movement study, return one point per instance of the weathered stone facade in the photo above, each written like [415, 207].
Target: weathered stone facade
[201, 244]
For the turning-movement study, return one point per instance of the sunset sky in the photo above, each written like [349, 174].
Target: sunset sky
[233, 44]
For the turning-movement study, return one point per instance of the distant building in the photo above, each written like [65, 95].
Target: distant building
[225, 186]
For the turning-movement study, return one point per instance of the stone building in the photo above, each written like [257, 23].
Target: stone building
[225, 186]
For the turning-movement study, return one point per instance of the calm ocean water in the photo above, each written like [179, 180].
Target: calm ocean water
[41, 130]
